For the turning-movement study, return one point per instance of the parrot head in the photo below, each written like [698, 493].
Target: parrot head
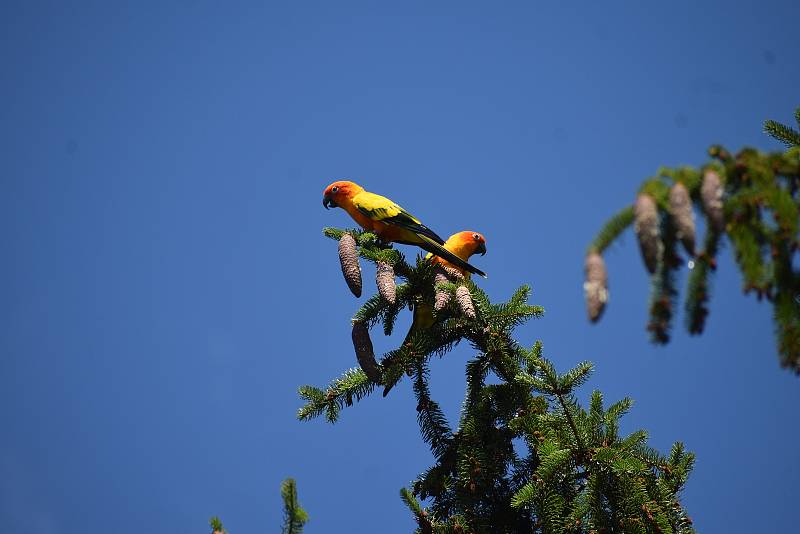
[337, 192]
[465, 244]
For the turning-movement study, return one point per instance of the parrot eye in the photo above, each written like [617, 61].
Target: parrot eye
[335, 189]
[476, 237]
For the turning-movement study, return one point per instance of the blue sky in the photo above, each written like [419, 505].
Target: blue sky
[166, 286]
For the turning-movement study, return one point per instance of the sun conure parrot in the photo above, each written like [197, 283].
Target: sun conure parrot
[388, 221]
[463, 244]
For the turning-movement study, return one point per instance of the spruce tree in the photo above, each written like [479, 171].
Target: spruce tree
[576, 473]
[750, 197]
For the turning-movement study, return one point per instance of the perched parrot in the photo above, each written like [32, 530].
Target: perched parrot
[463, 244]
[389, 222]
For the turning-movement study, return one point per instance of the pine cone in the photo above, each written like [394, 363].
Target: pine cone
[646, 227]
[442, 296]
[364, 351]
[595, 288]
[464, 300]
[452, 273]
[385, 281]
[348, 258]
[711, 194]
[680, 207]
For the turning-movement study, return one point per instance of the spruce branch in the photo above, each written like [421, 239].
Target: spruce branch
[216, 526]
[432, 422]
[698, 286]
[294, 517]
[372, 249]
[785, 134]
[571, 422]
[663, 291]
[477, 370]
[753, 199]
[612, 229]
[353, 385]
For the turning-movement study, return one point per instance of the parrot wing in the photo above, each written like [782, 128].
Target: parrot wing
[382, 209]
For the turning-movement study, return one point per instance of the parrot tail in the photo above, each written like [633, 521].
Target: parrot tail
[438, 250]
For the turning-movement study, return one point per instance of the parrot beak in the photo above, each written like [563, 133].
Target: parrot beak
[481, 249]
[328, 202]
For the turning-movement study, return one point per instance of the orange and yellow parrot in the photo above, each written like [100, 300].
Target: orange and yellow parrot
[463, 245]
[390, 222]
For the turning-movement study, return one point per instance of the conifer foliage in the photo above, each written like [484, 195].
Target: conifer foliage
[216, 526]
[783, 133]
[294, 517]
[752, 198]
[525, 456]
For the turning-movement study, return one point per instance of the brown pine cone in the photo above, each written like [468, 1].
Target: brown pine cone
[348, 258]
[680, 207]
[442, 296]
[451, 272]
[464, 300]
[595, 288]
[646, 227]
[386, 283]
[364, 351]
[711, 194]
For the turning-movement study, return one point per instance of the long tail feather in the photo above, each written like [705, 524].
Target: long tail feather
[438, 250]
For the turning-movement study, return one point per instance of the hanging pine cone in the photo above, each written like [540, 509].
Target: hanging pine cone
[464, 300]
[452, 273]
[348, 258]
[595, 288]
[646, 227]
[364, 351]
[711, 194]
[442, 296]
[386, 283]
[680, 207]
